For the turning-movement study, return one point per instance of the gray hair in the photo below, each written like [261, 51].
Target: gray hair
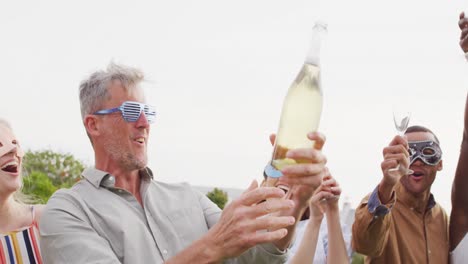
[94, 89]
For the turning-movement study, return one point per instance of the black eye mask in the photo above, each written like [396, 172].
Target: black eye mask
[428, 152]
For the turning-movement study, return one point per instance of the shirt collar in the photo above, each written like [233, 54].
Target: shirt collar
[100, 178]
[414, 203]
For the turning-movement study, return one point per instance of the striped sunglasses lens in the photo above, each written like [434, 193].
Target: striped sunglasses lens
[131, 111]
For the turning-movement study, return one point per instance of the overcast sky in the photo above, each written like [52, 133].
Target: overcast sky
[219, 71]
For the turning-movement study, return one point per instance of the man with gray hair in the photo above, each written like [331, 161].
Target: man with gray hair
[119, 213]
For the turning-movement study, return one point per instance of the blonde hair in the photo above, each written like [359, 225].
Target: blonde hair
[5, 123]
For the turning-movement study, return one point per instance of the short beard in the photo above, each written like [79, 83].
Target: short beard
[127, 160]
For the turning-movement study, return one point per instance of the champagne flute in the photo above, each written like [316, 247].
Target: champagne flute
[401, 118]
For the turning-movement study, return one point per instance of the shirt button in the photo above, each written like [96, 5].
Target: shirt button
[164, 252]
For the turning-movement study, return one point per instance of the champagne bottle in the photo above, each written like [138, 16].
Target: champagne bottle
[301, 110]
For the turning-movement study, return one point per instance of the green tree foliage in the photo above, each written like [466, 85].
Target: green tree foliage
[38, 186]
[357, 258]
[46, 171]
[62, 169]
[218, 197]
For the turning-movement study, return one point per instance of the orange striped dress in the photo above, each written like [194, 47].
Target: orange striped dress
[22, 246]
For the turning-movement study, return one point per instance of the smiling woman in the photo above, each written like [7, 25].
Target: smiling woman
[19, 234]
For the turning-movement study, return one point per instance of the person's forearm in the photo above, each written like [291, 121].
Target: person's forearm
[459, 214]
[385, 191]
[297, 213]
[337, 253]
[199, 252]
[459, 192]
[306, 250]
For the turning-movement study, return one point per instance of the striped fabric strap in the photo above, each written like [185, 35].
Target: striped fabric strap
[20, 247]
[16, 248]
[7, 250]
[2, 252]
[35, 244]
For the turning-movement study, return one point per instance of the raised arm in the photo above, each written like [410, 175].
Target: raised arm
[307, 247]
[372, 219]
[337, 253]
[325, 199]
[459, 213]
[305, 178]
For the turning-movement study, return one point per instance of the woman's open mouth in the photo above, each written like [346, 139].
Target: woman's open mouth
[11, 167]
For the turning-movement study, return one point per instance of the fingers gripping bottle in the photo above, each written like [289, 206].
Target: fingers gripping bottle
[301, 110]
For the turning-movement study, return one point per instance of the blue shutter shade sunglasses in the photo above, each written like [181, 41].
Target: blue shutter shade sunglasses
[131, 111]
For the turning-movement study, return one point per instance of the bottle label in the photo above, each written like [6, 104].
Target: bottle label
[271, 171]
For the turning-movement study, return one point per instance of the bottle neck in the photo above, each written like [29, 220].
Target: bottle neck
[313, 55]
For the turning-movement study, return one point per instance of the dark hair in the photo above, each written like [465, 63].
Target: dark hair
[412, 129]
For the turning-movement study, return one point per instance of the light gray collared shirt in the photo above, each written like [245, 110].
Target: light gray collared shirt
[96, 222]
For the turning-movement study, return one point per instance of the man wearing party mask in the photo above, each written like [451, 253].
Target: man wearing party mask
[400, 221]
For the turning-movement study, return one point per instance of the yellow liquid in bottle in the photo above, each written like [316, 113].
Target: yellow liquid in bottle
[300, 115]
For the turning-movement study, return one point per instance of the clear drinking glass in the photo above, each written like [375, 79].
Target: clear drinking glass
[401, 118]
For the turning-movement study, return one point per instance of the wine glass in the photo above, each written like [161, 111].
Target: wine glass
[401, 118]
